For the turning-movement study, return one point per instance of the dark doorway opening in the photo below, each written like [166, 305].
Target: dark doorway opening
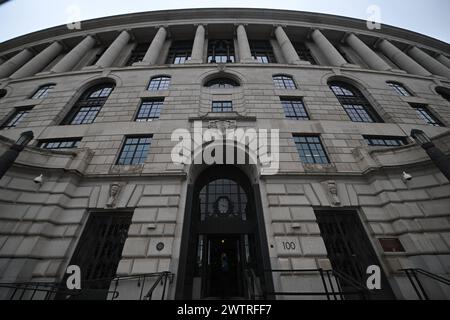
[350, 250]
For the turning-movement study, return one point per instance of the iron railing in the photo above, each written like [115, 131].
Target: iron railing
[52, 290]
[333, 286]
[413, 277]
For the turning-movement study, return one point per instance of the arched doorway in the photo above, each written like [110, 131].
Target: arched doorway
[224, 245]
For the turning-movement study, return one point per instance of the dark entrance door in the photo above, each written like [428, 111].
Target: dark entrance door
[350, 251]
[98, 254]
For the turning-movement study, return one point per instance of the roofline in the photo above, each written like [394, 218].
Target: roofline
[163, 16]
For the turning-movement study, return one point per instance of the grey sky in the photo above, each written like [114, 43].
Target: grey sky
[430, 17]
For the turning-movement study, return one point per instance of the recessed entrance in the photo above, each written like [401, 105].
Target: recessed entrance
[224, 237]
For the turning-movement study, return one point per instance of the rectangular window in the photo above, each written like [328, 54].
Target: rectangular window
[304, 53]
[358, 113]
[16, 118]
[222, 106]
[311, 150]
[60, 144]
[159, 84]
[294, 109]
[284, 83]
[149, 110]
[180, 52]
[427, 116]
[43, 92]
[221, 51]
[138, 53]
[262, 51]
[383, 141]
[401, 90]
[135, 151]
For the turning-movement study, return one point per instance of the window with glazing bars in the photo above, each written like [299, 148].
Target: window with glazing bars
[43, 91]
[311, 150]
[262, 51]
[221, 51]
[149, 110]
[88, 107]
[284, 82]
[135, 151]
[221, 83]
[427, 116]
[159, 83]
[138, 53]
[180, 52]
[222, 106]
[294, 109]
[304, 53]
[382, 141]
[354, 103]
[400, 89]
[16, 118]
[60, 144]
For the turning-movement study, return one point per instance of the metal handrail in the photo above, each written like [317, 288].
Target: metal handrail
[52, 289]
[329, 290]
[412, 273]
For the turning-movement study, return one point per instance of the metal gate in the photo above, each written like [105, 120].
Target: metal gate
[350, 250]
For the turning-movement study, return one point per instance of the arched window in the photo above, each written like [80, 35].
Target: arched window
[43, 91]
[159, 83]
[399, 88]
[221, 83]
[89, 105]
[284, 82]
[444, 93]
[3, 93]
[354, 103]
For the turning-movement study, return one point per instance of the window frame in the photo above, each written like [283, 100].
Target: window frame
[399, 88]
[319, 142]
[262, 48]
[222, 108]
[305, 53]
[124, 145]
[230, 53]
[288, 82]
[153, 102]
[181, 49]
[228, 83]
[371, 141]
[76, 143]
[137, 54]
[292, 103]
[43, 91]
[426, 115]
[160, 79]
[15, 118]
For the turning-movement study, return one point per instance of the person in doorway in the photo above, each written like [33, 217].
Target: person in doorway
[225, 275]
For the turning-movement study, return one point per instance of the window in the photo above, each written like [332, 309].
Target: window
[304, 53]
[159, 83]
[138, 53]
[149, 110]
[222, 106]
[284, 82]
[43, 91]
[294, 109]
[383, 141]
[221, 83]
[3, 93]
[427, 116]
[60, 144]
[88, 107]
[221, 51]
[180, 52]
[135, 151]
[354, 103]
[262, 51]
[16, 118]
[444, 92]
[311, 150]
[399, 88]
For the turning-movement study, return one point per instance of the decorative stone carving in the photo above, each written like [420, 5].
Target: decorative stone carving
[222, 125]
[332, 192]
[114, 192]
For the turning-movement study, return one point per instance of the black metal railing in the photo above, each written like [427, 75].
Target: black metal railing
[413, 277]
[336, 286]
[51, 291]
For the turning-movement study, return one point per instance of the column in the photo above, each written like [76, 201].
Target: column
[289, 52]
[245, 54]
[328, 50]
[111, 54]
[152, 55]
[372, 59]
[2, 61]
[13, 64]
[402, 59]
[444, 60]
[39, 62]
[199, 45]
[428, 62]
[75, 55]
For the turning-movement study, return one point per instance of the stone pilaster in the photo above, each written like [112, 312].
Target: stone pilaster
[13, 64]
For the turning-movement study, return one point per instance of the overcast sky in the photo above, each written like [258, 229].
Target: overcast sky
[18, 17]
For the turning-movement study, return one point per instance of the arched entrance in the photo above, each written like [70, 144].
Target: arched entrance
[224, 239]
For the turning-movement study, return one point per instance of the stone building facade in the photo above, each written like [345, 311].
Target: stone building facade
[103, 102]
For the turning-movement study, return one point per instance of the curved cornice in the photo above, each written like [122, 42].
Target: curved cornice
[227, 14]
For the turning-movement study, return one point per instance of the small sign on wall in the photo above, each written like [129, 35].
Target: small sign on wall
[288, 246]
